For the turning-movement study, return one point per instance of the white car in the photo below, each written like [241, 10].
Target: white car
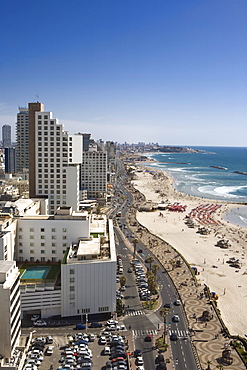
[35, 317]
[40, 323]
[139, 360]
[49, 351]
[112, 322]
[103, 340]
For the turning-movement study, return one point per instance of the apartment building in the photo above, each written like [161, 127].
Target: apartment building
[93, 174]
[10, 318]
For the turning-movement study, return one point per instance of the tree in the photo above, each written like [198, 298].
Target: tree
[209, 363]
[154, 269]
[149, 260]
[122, 281]
[163, 312]
[134, 242]
[220, 367]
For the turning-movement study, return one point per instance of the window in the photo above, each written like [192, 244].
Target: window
[31, 236]
[53, 252]
[72, 271]
[72, 288]
[42, 259]
[20, 228]
[53, 244]
[31, 244]
[53, 230]
[21, 251]
[64, 237]
[64, 230]
[42, 236]
[72, 296]
[42, 251]
[64, 244]
[42, 230]
[31, 251]
[20, 236]
[72, 280]
[42, 244]
[53, 236]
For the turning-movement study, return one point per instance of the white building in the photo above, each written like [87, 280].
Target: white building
[10, 318]
[57, 158]
[84, 244]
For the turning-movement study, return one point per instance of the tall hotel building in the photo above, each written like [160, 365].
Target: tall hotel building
[54, 158]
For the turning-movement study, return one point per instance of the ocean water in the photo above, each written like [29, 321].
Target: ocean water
[193, 174]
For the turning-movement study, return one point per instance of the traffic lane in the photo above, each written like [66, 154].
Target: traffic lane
[148, 352]
[182, 355]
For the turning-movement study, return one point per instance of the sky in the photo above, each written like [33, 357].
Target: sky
[166, 71]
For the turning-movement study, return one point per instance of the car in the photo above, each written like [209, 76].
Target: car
[102, 340]
[140, 251]
[167, 305]
[140, 368]
[80, 326]
[49, 350]
[137, 352]
[139, 360]
[175, 318]
[173, 336]
[49, 339]
[177, 302]
[96, 325]
[40, 323]
[108, 365]
[107, 351]
[149, 338]
[123, 288]
[112, 322]
[35, 317]
[91, 337]
[130, 269]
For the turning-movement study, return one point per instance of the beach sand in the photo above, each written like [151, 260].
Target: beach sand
[199, 250]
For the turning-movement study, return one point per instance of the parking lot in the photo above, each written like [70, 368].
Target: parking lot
[81, 348]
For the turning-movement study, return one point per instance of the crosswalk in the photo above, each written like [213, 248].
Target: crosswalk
[143, 333]
[135, 313]
[180, 333]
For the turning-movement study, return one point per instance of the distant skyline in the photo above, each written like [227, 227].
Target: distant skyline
[172, 72]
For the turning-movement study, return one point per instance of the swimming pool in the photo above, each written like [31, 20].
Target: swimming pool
[36, 272]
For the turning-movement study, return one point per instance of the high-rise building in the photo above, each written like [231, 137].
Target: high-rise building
[10, 160]
[22, 149]
[6, 136]
[54, 160]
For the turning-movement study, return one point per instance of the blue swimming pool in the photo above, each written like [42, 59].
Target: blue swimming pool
[37, 272]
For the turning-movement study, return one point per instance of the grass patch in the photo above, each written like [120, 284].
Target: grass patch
[150, 305]
[160, 345]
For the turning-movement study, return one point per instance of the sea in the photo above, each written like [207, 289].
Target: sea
[209, 174]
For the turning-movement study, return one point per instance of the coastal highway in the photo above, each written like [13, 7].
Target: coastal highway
[182, 353]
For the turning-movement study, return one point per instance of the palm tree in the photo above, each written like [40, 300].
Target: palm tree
[149, 260]
[220, 367]
[209, 363]
[134, 241]
[163, 312]
[154, 269]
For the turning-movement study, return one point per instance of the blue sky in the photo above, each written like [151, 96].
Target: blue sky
[167, 71]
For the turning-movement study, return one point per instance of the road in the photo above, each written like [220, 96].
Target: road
[142, 324]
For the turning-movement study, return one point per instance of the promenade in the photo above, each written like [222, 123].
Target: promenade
[209, 338]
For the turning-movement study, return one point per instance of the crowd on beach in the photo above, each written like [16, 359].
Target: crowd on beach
[200, 250]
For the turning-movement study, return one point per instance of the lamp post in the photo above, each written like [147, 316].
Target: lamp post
[86, 321]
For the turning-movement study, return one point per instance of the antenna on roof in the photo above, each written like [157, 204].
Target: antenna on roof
[37, 96]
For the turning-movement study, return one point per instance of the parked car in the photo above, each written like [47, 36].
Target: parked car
[80, 326]
[49, 339]
[40, 323]
[35, 317]
[96, 325]
[49, 350]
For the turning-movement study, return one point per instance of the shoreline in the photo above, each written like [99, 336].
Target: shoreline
[200, 250]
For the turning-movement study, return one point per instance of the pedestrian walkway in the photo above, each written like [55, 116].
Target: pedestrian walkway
[180, 333]
[143, 333]
[134, 313]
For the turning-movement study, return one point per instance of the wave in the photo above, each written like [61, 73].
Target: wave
[223, 191]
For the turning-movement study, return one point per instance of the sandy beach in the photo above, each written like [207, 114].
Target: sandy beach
[230, 283]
